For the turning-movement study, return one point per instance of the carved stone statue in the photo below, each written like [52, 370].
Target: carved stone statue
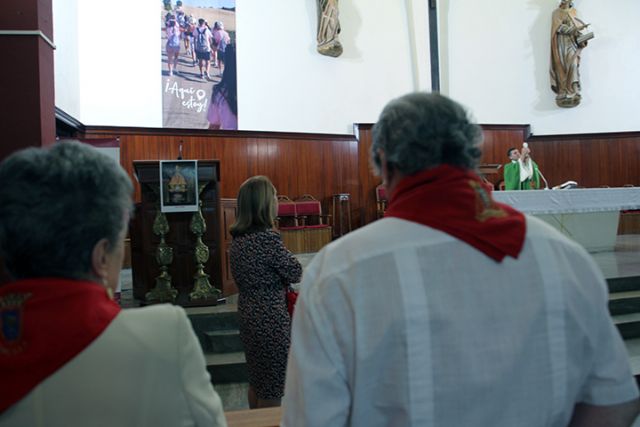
[328, 28]
[567, 43]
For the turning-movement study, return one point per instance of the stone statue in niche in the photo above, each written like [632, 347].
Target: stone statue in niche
[328, 28]
[567, 42]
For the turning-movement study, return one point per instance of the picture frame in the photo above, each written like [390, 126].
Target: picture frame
[179, 186]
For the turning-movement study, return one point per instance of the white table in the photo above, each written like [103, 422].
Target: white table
[589, 216]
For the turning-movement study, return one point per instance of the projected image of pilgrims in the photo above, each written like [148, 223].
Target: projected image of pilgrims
[199, 64]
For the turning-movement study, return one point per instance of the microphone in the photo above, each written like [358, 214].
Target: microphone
[180, 151]
[546, 184]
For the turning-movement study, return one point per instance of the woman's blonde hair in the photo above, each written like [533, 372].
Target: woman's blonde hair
[257, 206]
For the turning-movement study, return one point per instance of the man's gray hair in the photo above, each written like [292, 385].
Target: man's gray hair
[420, 131]
[55, 205]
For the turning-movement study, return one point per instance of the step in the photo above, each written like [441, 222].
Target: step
[624, 284]
[223, 341]
[628, 325]
[227, 368]
[633, 350]
[207, 319]
[624, 302]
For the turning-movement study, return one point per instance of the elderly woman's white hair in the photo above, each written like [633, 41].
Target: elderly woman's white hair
[56, 204]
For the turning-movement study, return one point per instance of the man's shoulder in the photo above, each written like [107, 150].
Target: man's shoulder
[147, 320]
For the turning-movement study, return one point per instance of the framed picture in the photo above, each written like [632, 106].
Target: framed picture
[178, 185]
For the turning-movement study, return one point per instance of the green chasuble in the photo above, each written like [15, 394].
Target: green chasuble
[512, 177]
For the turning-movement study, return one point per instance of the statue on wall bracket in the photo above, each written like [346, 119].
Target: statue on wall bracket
[328, 28]
[567, 42]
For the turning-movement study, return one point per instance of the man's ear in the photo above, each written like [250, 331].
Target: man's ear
[99, 259]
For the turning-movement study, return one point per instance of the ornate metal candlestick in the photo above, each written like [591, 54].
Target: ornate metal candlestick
[163, 291]
[202, 289]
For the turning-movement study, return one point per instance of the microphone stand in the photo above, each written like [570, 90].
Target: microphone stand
[546, 184]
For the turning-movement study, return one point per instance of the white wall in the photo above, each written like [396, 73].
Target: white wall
[66, 59]
[284, 85]
[495, 60]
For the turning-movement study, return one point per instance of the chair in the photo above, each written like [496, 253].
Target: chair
[316, 225]
[381, 200]
[309, 211]
[287, 213]
[287, 222]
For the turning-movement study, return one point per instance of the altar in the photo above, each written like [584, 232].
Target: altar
[589, 216]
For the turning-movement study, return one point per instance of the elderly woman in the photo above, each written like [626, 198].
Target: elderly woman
[68, 354]
[262, 268]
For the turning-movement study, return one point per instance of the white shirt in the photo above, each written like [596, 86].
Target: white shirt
[400, 324]
[145, 369]
[526, 169]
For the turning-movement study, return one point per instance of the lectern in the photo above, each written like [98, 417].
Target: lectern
[170, 249]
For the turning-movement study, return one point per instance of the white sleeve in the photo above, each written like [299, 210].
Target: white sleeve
[609, 380]
[203, 401]
[316, 391]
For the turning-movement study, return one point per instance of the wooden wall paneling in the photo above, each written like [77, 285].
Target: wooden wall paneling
[323, 165]
[591, 160]
[228, 213]
[366, 205]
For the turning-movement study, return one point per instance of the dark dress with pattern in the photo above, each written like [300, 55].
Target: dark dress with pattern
[263, 268]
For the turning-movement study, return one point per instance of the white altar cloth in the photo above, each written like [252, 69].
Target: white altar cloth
[589, 216]
[536, 202]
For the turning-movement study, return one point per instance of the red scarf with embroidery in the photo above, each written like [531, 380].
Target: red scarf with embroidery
[458, 203]
[44, 323]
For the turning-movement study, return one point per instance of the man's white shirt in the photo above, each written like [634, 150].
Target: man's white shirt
[401, 324]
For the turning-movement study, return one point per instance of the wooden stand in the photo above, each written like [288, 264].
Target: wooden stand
[491, 173]
[341, 212]
[179, 238]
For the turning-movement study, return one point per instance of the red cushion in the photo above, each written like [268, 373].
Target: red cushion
[311, 207]
[292, 228]
[286, 209]
[318, 226]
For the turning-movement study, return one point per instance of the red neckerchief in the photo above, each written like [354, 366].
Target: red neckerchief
[457, 202]
[44, 323]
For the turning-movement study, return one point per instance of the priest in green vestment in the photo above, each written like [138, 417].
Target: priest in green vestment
[522, 173]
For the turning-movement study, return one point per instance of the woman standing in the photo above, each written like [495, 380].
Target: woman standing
[262, 269]
[69, 356]
[174, 35]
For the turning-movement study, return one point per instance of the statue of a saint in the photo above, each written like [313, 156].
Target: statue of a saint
[567, 42]
[328, 28]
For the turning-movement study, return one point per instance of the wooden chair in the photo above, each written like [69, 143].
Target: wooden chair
[309, 211]
[287, 222]
[317, 227]
[287, 213]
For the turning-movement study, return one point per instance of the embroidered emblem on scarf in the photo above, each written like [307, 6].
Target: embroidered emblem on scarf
[11, 315]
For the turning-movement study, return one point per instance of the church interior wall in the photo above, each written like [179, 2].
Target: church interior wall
[283, 83]
[494, 58]
[496, 55]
